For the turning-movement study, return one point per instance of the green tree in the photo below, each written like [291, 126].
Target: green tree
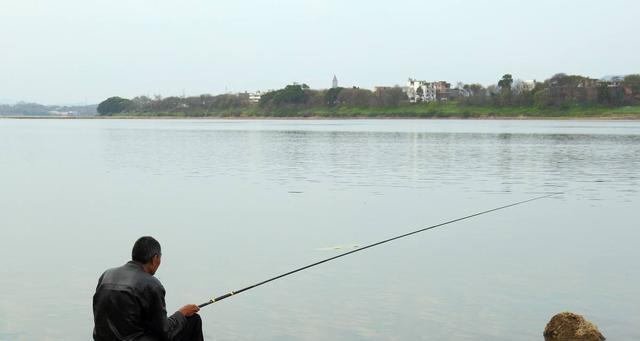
[475, 89]
[505, 89]
[632, 83]
[477, 94]
[356, 97]
[505, 82]
[419, 94]
[604, 96]
[290, 95]
[389, 97]
[331, 96]
[542, 98]
[114, 105]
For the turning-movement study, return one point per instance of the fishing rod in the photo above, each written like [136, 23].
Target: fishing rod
[220, 298]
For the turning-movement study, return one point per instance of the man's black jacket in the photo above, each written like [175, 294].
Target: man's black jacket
[129, 305]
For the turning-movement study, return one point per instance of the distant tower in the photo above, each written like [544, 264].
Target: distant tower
[334, 83]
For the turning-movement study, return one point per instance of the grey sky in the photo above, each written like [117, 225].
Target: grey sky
[72, 51]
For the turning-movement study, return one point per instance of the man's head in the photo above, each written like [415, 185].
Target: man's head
[147, 251]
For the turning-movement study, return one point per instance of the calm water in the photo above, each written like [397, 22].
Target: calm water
[235, 202]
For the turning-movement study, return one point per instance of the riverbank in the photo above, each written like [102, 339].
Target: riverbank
[302, 118]
[415, 111]
[426, 110]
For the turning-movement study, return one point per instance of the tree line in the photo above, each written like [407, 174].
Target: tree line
[561, 91]
[35, 109]
[290, 98]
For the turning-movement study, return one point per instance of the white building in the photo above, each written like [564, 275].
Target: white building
[420, 91]
[254, 97]
[61, 113]
[529, 85]
[334, 82]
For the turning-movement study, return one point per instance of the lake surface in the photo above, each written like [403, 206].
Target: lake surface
[236, 202]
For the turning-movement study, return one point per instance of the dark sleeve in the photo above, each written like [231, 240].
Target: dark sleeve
[161, 325]
[99, 281]
[95, 295]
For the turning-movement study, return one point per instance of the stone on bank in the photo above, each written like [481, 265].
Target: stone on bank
[571, 327]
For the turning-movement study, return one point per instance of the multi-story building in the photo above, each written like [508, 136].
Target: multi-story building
[442, 90]
[420, 91]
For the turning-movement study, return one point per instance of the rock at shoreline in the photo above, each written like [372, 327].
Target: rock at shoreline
[571, 327]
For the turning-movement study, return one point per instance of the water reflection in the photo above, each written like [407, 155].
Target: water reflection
[523, 162]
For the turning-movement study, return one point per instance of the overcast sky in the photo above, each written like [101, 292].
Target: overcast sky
[77, 51]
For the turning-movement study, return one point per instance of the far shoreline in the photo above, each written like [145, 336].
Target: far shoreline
[329, 118]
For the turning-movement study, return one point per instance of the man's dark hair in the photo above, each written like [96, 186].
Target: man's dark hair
[144, 249]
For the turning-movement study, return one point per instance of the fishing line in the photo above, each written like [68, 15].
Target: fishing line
[232, 293]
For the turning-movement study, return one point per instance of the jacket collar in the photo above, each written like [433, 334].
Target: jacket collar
[134, 264]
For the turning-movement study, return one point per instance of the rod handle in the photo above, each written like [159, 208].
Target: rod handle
[214, 300]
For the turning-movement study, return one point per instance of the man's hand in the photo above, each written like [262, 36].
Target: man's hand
[189, 310]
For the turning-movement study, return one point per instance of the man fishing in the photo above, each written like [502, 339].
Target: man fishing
[129, 302]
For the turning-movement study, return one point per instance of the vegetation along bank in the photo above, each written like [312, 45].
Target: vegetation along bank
[570, 96]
